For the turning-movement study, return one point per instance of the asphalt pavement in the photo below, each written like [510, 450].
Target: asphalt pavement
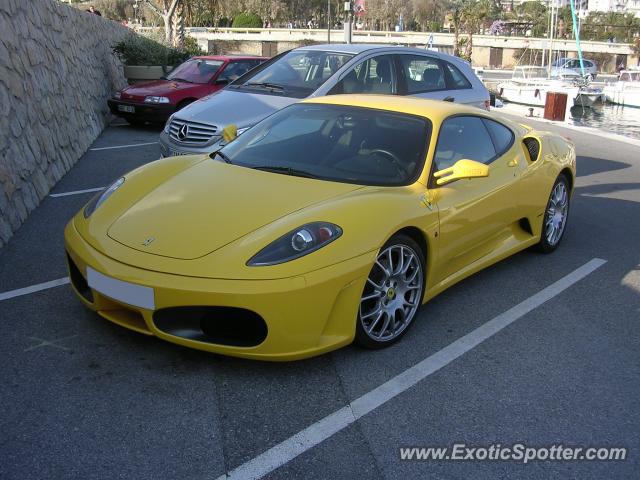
[84, 398]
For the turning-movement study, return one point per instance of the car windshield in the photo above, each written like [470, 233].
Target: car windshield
[296, 74]
[337, 143]
[195, 70]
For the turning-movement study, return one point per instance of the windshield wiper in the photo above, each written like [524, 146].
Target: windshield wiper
[286, 170]
[272, 86]
[223, 156]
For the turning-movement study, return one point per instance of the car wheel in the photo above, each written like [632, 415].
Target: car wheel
[555, 216]
[392, 294]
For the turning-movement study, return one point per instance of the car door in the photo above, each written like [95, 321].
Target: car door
[430, 77]
[476, 216]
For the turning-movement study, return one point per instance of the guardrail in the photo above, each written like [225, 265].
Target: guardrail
[404, 38]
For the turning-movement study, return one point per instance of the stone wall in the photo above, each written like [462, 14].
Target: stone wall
[56, 73]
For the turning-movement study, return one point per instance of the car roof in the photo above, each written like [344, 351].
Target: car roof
[357, 48]
[431, 109]
[228, 57]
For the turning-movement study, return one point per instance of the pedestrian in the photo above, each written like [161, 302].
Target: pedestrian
[93, 10]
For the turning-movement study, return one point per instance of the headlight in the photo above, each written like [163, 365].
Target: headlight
[166, 125]
[241, 131]
[297, 243]
[100, 198]
[117, 95]
[152, 99]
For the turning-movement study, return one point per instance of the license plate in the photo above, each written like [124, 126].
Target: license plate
[175, 153]
[126, 108]
[125, 292]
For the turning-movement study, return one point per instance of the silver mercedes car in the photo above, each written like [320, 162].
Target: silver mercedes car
[316, 71]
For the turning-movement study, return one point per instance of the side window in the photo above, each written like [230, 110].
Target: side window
[235, 70]
[458, 80]
[501, 135]
[463, 138]
[374, 75]
[422, 73]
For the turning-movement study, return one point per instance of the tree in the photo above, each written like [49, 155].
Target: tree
[635, 48]
[476, 15]
[429, 13]
[168, 11]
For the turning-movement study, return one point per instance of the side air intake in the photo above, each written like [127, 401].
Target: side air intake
[533, 147]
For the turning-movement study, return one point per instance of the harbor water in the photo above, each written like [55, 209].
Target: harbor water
[616, 119]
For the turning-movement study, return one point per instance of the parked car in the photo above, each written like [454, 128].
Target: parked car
[315, 71]
[564, 65]
[331, 221]
[197, 77]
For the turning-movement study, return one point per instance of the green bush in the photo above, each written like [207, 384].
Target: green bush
[247, 20]
[138, 50]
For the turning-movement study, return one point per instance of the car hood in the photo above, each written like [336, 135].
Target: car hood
[158, 87]
[228, 106]
[211, 204]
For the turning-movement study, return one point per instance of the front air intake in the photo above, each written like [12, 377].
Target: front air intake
[231, 326]
[533, 147]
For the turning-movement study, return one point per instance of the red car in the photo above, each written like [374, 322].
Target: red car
[155, 101]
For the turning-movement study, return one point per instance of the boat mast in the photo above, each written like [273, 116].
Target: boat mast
[552, 21]
[576, 29]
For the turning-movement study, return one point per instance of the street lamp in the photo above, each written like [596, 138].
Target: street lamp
[328, 21]
[135, 11]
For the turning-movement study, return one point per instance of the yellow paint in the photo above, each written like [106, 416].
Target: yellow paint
[208, 218]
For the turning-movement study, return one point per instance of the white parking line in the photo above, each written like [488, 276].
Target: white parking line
[76, 192]
[33, 288]
[123, 146]
[311, 436]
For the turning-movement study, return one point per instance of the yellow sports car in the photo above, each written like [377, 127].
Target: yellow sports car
[330, 221]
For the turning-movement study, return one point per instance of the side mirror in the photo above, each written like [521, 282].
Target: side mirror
[230, 132]
[461, 169]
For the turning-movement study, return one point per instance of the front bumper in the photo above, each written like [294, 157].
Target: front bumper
[144, 112]
[169, 148]
[304, 315]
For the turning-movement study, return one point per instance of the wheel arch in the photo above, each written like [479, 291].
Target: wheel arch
[569, 176]
[417, 235]
[184, 102]
[420, 237]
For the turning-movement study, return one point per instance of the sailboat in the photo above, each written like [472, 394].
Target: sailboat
[626, 91]
[530, 84]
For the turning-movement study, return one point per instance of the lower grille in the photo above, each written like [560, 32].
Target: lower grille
[78, 281]
[191, 132]
[220, 325]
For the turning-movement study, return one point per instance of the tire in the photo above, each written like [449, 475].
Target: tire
[390, 300]
[556, 215]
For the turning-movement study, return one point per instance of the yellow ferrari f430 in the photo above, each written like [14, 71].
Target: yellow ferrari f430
[329, 222]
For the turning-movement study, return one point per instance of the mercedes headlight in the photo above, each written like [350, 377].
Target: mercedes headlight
[297, 243]
[154, 99]
[100, 198]
[166, 125]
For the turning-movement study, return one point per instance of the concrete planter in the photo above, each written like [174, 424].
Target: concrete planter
[145, 73]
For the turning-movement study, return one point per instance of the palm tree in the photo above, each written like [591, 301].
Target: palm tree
[475, 14]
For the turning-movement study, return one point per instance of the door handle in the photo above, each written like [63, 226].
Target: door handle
[448, 99]
[513, 163]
